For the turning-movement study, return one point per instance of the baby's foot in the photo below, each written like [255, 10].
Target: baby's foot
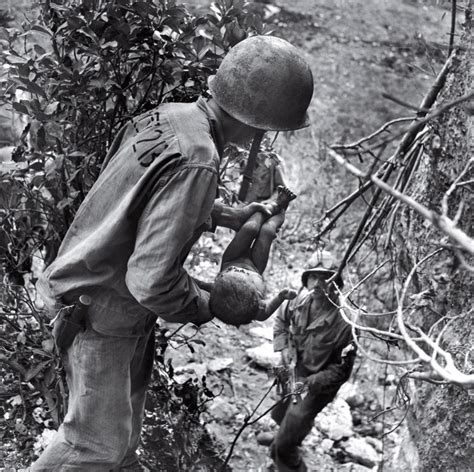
[284, 197]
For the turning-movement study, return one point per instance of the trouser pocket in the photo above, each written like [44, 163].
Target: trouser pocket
[69, 322]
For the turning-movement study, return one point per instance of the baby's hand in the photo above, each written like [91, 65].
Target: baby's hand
[288, 294]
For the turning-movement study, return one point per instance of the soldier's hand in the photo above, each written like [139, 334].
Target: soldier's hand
[288, 294]
[313, 383]
[242, 214]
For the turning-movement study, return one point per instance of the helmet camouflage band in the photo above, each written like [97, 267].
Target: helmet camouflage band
[265, 83]
[321, 262]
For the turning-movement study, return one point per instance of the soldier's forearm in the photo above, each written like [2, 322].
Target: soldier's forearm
[223, 215]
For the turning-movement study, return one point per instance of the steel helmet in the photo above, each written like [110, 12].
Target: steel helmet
[265, 83]
[320, 262]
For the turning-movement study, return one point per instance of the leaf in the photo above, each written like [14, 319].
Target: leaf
[64, 203]
[20, 108]
[42, 29]
[21, 428]
[49, 376]
[51, 108]
[16, 60]
[39, 50]
[33, 372]
[75, 22]
[36, 166]
[32, 87]
[145, 8]
[21, 338]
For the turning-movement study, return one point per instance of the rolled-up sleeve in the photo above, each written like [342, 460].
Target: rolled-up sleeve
[155, 274]
[281, 328]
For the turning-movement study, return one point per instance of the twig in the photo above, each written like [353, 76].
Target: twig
[373, 135]
[366, 328]
[456, 183]
[443, 223]
[247, 422]
[367, 277]
[409, 134]
[13, 364]
[399, 101]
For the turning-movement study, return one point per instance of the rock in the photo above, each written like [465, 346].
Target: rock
[405, 456]
[193, 367]
[356, 400]
[360, 451]
[347, 390]
[221, 409]
[391, 379]
[335, 421]
[264, 356]
[216, 365]
[313, 440]
[265, 438]
[267, 424]
[265, 332]
[351, 467]
[271, 11]
[326, 445]
[370, 429]
[377, 429]
[375, 443]
[356, 418]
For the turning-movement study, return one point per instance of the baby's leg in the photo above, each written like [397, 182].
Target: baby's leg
[263, 242]
[243, 239]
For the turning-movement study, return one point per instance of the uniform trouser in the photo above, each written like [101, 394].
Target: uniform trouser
[296, 421]
[107, 378]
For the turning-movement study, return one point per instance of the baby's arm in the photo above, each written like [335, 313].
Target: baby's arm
[203, 285]
[272, 305]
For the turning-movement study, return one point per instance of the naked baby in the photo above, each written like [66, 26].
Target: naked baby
[238, 293]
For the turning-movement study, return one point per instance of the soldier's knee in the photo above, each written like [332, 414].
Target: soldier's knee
[116, 447]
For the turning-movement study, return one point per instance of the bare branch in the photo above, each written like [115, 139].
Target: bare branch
[449, 372]
[443, 223]
[399, 101]
[383, 128]
[457, 182]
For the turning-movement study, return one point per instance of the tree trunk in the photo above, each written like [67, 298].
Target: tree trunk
[441, 416]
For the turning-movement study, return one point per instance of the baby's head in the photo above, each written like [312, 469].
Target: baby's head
[237, 296]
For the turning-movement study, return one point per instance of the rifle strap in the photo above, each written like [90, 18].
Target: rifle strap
[251, 163]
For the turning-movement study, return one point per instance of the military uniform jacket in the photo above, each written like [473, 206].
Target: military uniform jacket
[129, 239]
[316, 337]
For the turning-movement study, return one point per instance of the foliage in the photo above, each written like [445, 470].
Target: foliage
[79, 70]
[172, 438]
